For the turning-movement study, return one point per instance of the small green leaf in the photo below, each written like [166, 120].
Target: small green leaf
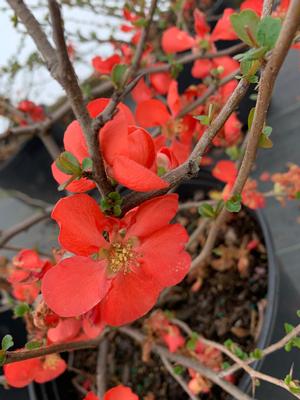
[228, 343]
[204, 119]
[250, 117]
[298, 313]
[7, 342]
[192, 342]
[117, 75]
[257, 354]
[225, 365]
[234, 203]
[267, 130]
[178, 369]
[68, 164]
[117, 210]
[21, 309]
[115, 196]
[161, 171]
[268, 31]
[265, 142]
[2, 357]
[63, 185]
[233, 152]
[176, 68]
[288, 328]
[87, 164]
[245, 25]
[206, 211]
[34, 344]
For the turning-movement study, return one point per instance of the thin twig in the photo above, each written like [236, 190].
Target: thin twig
[101, 368]
[178, 378]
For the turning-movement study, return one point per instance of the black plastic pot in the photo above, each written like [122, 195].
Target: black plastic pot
[281, 307]
[29, 170]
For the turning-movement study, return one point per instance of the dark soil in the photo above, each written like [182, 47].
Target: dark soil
[226, 306]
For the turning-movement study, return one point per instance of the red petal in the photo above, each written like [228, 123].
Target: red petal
[152, 113]
[164, 255]
[120, 393]
[153, 215]
[136, 177]
[67, 329]
[173, 98]
[202, 68]
[224, 30]
[131, 296]
[81, 224]
[91, 396]
[141, 92]
[27, 292]
[255, 5]
[174, 40]
[76, 186]
[200, 25]
[225, 171]
[28, 259]
[141, 146]
[229, 64]
[105, 66]
[51, 367]
[96, 106]
[21, 373]
[161, 81]
[74, 141]
[74, 286]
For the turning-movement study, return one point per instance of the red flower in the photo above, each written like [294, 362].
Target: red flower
[160, 81]
[40, 370]
[34, 112]
[255, 5]
[105, 65]
[200, 24]
[225, 171]
[173, 338]
[127, 150]
[123, 275]
[117, 393]
[174, 40]
[120, 393]
[141, 91]
[224, 30]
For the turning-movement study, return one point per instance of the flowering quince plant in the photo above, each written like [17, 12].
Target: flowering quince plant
[120, 255]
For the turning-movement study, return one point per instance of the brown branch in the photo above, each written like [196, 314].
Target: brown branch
[188, 363]
[177, 378]
[243, 364]
[22, 226]
[20, 355]
[101, 368]
[68, 80]
[267, 81]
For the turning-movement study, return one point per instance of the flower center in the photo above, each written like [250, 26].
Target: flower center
[122, 256]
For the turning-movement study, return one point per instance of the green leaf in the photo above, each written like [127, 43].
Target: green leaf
[267, 130]
[253, 54]
[87, 164]
[245, 25]
[7, 342]
[234, 203]
[2, 357]
[34, 344]
[288, 328]
[257, 354]
[250, 117]
[249, 69]
[178, 369]
[233, 152]
[192, 342]
[204, 119]
[268, 31]
[115, 196]
[225, 365]
[63, 185]
[117, 75]
[298, 313]
[68, 164]
[21, 309]
[265, 142]
[228, 343]
[206, 211]
[117, 210]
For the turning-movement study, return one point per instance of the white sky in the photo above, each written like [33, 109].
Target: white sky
[40, 87]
